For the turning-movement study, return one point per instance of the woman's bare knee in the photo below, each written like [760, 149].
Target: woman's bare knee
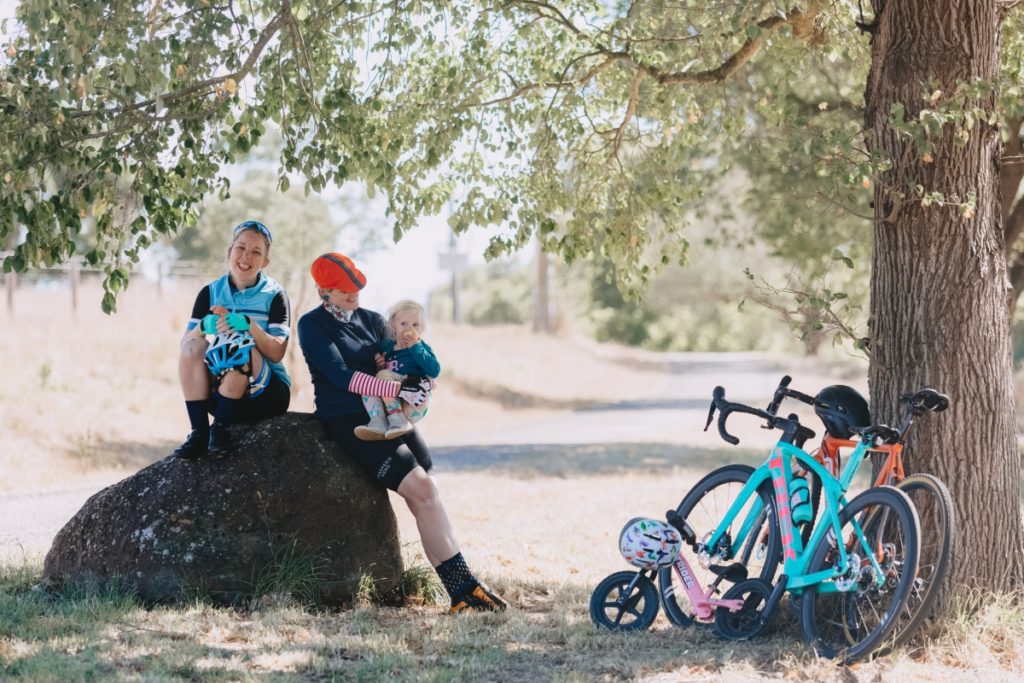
[234, 384]
[418, 490]
[193, 350]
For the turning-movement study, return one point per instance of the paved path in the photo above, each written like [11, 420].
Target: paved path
[603, 436]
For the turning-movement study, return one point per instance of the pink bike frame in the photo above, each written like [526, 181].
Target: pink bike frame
[701, 601]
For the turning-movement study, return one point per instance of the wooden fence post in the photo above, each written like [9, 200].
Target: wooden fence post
[75, 274]
[10, 281]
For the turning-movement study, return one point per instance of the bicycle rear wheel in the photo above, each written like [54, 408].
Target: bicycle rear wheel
[855, 619]
[703, 508]
[934, 506]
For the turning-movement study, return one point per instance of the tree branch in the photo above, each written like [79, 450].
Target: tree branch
[634, 98]
[203, 87]
[802, 23]
[523, 89]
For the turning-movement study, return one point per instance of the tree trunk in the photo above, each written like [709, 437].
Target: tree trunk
[939, 315]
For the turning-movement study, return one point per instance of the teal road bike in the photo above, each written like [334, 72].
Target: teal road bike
[848, 583]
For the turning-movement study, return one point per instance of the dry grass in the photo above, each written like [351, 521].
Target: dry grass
[93, 398]
[548, 636]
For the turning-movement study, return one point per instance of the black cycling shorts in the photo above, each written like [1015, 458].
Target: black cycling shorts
[273, 401]
[387, 462]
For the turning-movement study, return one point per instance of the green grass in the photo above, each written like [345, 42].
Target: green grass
[291, 575]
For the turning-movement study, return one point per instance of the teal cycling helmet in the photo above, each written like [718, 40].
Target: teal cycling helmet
[229, 351]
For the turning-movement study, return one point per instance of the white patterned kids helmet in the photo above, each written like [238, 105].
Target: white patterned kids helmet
[649, 543]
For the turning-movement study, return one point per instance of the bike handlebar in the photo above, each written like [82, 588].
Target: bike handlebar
[792, 429]
[783, 391]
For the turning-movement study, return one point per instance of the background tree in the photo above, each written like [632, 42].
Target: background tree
[302, 227]
[618, 116]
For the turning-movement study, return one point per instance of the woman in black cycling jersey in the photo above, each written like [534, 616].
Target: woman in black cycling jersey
[340, 342]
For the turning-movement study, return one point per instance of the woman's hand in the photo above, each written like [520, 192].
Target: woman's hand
[382, 364]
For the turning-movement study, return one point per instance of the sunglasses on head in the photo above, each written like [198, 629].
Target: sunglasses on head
[254, 225]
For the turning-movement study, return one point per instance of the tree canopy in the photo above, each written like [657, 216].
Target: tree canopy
[599, 127]
[596, 126]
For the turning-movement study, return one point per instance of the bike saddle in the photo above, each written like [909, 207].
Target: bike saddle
[926, 400]
[876, 434]
[733, 573]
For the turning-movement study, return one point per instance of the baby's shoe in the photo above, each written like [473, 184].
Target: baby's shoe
[398, 424]
[374, 430]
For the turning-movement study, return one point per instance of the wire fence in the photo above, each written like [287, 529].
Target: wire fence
[72, 273]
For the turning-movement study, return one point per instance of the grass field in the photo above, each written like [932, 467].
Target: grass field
[93, 398]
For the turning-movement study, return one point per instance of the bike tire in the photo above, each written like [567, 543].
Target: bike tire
[834, 622]
[703, 507]
[934, 506]
[612, 609]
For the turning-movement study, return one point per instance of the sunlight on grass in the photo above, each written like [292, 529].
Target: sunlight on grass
[104, 635]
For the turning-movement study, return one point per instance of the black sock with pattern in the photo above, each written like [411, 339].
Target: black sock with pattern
[455, 576]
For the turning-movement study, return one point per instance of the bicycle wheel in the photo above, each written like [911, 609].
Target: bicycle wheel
[934, 508]
[703, 508]
[617, 607]
[853, 620]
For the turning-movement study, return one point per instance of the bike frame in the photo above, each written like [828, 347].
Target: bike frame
[701, 599]
[796, 558]
[891, 472]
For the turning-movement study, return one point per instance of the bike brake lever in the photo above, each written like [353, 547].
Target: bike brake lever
[711, 416]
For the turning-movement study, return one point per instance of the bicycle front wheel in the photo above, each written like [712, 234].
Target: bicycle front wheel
[934, 508]
[703, 508]
[624, 601]
[850, 616]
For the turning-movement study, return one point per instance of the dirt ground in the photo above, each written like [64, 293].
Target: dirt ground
[538, 473]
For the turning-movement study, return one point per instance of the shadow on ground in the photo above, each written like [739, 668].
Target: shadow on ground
[571, 460]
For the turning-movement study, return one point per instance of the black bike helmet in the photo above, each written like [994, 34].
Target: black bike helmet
[842, 409]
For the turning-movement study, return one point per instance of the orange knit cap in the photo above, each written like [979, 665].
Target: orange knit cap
[336, 271]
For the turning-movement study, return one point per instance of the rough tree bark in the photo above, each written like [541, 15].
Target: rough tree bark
[939, 314]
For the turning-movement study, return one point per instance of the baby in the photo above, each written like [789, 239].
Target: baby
[405, 353]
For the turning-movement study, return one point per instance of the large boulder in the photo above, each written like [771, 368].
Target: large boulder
[288, 507]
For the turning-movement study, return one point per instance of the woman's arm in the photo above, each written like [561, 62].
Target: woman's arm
[322, 355]
[273, 342]
[199, 309]
[273, 348]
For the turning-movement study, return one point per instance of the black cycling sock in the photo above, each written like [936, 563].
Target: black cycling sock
[455, 576]
[225, 410]
[197, 415]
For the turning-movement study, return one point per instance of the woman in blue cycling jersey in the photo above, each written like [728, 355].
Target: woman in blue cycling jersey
[239, 377]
